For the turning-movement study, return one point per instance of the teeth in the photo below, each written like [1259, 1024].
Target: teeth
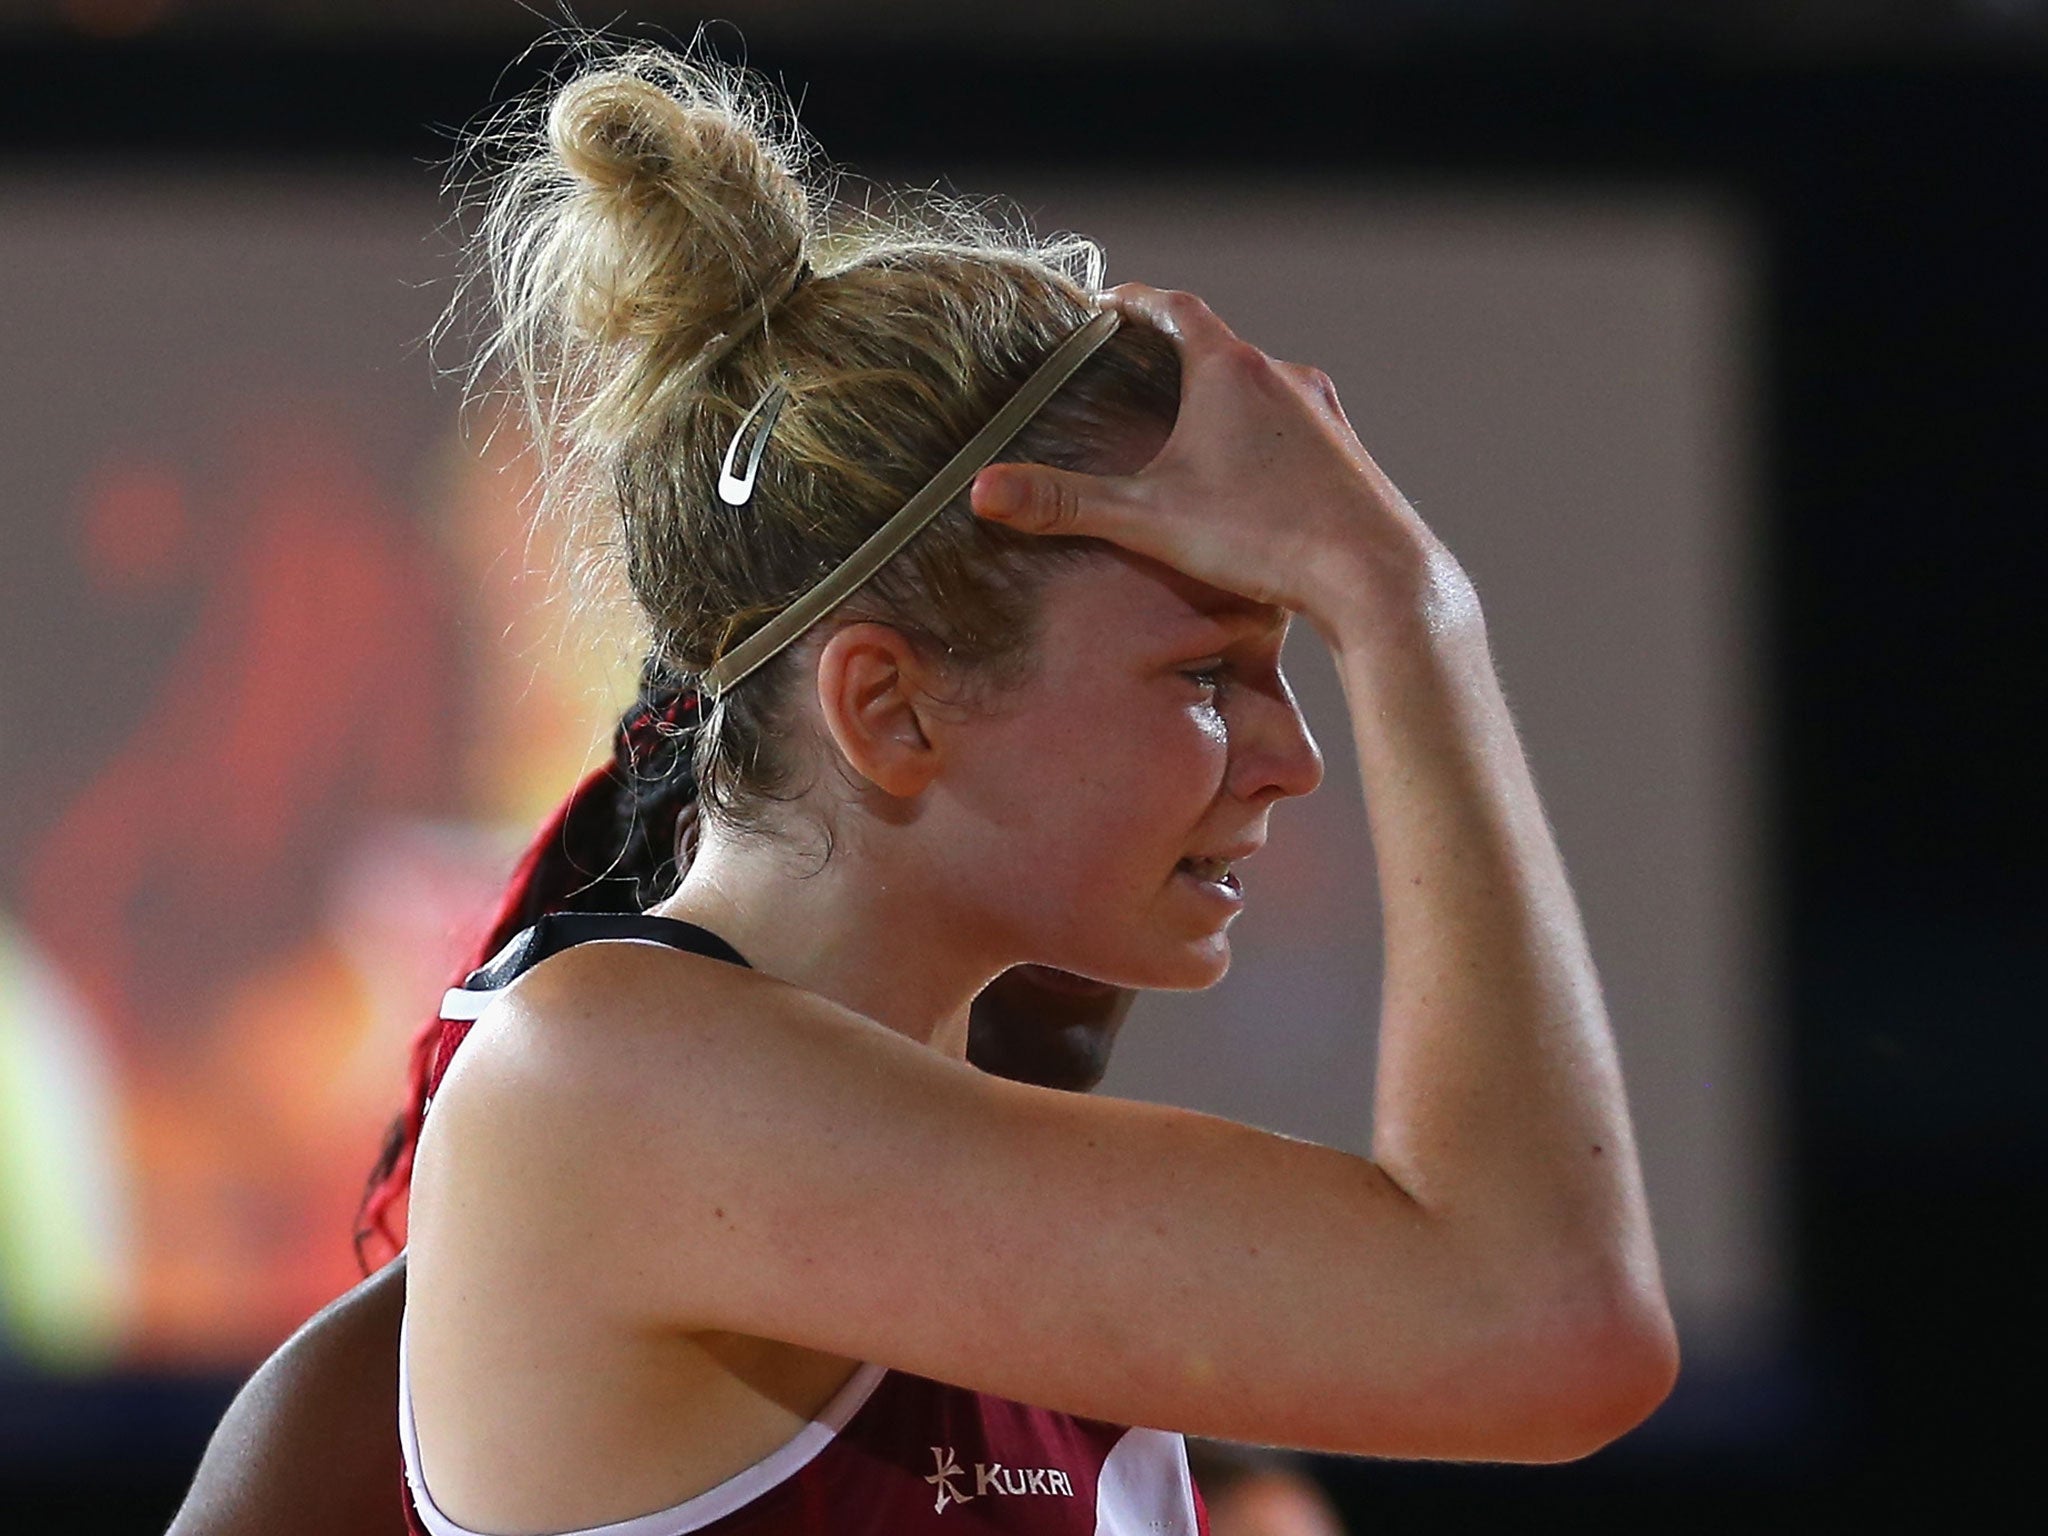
[1208, 869]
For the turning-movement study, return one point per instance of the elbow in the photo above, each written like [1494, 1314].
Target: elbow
[1549, 1389]
[1596, 1382]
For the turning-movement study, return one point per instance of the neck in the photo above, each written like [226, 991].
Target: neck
[870, 938]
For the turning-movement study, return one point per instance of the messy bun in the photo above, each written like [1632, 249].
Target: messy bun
[659, 244]
[685, 208]
[663, 211]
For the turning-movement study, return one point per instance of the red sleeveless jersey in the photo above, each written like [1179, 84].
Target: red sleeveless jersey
[892, 1454]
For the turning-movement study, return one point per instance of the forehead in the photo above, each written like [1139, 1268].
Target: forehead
[1128, 595]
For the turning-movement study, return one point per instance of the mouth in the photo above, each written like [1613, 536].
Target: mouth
[1214, 873]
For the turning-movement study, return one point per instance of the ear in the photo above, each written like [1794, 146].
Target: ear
[873, 696]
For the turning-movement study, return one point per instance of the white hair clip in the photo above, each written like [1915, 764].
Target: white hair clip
[737, 490]
[881, 546]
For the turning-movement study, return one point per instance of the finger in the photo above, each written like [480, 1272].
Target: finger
[1182, 315]
[1036, 498]
[1312, 382]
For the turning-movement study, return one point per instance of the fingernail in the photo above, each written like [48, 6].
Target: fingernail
[998, 495]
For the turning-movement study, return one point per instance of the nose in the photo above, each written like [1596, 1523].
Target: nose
[1274, 755]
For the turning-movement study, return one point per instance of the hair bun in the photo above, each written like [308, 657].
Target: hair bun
[661, 201]
[616, 131]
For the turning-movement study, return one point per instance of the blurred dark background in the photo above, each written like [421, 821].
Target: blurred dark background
[1889, 159]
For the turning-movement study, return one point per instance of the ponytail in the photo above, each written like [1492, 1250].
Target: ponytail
[618, 843]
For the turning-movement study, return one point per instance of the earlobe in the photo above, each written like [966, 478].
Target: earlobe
[872, 695]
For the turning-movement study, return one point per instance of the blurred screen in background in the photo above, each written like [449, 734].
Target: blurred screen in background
[286, 680]
[281, 702]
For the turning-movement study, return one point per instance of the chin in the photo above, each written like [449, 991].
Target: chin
[1151, 951]
[1214, 966]
[1194, 967]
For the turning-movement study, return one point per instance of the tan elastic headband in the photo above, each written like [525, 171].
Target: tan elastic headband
[736, 664]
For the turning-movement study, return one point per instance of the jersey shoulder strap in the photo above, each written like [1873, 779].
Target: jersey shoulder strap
[564, 930]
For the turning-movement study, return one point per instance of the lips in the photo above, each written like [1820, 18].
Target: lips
[1215, 867]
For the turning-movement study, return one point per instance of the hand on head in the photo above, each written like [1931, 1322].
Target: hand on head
[1262, 488]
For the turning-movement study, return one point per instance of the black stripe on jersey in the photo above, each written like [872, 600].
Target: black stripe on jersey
[563, 930]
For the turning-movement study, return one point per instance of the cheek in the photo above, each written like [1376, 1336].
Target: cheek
[1150, 785]
[1191, 746]
[1105, 790]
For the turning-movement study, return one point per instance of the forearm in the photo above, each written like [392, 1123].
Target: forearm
[1499, 1105]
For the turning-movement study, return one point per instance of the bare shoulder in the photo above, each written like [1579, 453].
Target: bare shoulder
[606, 1032]
[616, 1075]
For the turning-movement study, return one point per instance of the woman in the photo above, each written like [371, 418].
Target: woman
[310, 1443]
[716, 1230]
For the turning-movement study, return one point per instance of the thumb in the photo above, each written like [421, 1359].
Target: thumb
[1036, 498]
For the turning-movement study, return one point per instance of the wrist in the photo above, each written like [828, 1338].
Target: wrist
[1401, 591]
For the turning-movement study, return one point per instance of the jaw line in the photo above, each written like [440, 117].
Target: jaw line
[1057, 980]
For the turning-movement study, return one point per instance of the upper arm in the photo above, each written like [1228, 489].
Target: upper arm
[310, 1443]
[767, 1163]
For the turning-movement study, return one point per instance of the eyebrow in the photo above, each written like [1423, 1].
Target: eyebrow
[1238, 619]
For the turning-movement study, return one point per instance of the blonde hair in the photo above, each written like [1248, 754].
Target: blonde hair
[660, 244]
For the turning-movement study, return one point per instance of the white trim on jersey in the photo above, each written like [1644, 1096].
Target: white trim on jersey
[461, 1003]
[693, 1513]
[465, 1003]
[1144, 1488]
